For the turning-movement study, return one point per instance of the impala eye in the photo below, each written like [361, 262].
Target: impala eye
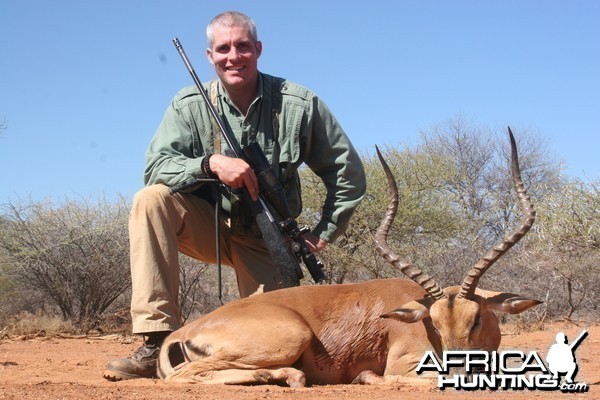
[477, 322]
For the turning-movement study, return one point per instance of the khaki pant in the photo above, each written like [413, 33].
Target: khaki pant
[162, 224]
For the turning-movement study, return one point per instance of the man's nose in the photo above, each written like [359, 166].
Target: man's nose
[234, 54]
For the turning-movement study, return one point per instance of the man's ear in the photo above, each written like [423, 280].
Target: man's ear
[209, 56]
[258, 48]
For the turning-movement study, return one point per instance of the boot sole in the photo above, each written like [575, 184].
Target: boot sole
[116, 376]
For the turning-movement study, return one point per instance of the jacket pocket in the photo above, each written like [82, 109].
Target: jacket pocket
[290, 157]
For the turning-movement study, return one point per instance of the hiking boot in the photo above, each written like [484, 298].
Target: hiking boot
[142, 364]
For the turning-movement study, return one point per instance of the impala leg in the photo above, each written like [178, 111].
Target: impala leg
[290, 376]
[188, 373]
[400, 365]
[371, 378]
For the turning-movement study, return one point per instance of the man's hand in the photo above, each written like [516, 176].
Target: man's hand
[235, 173]
[314, 243]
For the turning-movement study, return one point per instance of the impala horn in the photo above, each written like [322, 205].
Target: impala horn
[470, 283]
[386, 252]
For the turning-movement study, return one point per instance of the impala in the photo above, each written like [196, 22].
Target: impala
[371, 332]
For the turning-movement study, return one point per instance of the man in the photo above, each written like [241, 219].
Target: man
[291, 125]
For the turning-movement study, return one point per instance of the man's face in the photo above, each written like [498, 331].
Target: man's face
[235, 56]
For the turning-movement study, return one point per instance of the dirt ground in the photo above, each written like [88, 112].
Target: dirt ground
[71, 368]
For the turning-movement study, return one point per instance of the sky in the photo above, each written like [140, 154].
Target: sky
[84, 84]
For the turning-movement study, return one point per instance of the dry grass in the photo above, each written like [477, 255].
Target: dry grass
[27, 324]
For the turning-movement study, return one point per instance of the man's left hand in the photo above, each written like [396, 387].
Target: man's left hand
[315, 244]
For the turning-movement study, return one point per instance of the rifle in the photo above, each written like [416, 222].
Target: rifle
[280, 231]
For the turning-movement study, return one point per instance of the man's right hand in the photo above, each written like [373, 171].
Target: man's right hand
[235, 173]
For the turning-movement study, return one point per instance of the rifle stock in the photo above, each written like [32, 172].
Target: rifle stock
[273, 191]
[271, 210]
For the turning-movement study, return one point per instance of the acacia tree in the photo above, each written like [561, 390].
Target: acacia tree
[569, 242]
[482, 188]
[482, 192]
[76, 254]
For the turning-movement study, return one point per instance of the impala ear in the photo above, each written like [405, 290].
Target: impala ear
[510, 303]
[411, 312]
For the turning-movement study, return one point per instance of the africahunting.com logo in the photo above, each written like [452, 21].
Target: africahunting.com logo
[509, 369]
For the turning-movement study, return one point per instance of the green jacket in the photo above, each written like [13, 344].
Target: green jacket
[305, 132]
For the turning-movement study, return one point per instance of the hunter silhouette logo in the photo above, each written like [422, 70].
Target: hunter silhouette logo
[509, 369]
[561, 357]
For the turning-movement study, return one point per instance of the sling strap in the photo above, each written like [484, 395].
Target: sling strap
[216, 131]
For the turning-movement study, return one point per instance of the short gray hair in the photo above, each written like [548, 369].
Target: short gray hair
[229, 19]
